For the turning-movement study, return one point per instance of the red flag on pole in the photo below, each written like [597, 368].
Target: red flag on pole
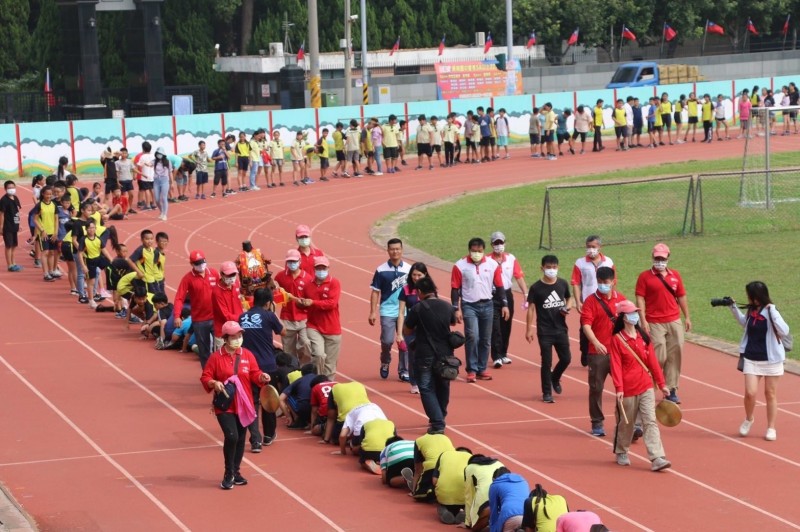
[396, 47]
[531, 40]
[715, 28]
[48, 90]
[751, 27]
[628, 34]
[441, 45]
[573, 38]
[301, 53]
[669, 33]
[488, 43]
[786, 26]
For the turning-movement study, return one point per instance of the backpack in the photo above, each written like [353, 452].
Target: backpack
[545, 509]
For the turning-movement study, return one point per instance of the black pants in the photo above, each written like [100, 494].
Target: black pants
[269, 422]
[449, 153]
[707, 129]
[501, 329]
[458, 151]
[233, 448]
[598, 138]
[546, 344]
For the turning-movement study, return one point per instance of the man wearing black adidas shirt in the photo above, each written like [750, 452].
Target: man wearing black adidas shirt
[550, 300]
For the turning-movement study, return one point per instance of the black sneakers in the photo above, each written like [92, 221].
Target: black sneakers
[239, 480]
[227, 483]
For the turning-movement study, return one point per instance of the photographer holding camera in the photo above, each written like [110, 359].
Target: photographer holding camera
[761, 351]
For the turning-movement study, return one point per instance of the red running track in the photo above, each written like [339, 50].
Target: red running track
[101, 432]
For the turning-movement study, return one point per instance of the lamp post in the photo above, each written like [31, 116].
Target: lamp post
[348, 73]
[315, 83]
[364, 71]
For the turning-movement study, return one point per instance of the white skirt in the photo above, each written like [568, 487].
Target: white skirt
[762, 368]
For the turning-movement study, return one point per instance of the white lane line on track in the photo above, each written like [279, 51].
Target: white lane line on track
[308, 506]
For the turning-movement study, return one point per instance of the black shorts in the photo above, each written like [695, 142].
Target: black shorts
[375, 456]
[651, 127]
[580, 134]
[390, 153]
[621, 131]
[221, 177]
[110, 185]
[340, 155]
[396, 470]
[667, 119]
[200, 178]
[637, 130]
[155, 287]
[145, 185]
[117, 217]
[323, 162]
[126, 186]
[47, 244]
[722, 119]
[534, 138]
[437, 148]
[10, 239]
[470, 144]
[693, 120]
[548, 136]
[677, 117]
[424, 488]
[793, 115]
[66, 252]
[424, 149]
[484, 141]
[562, 137]
[243, 163]
[492, 141]
[92, 266]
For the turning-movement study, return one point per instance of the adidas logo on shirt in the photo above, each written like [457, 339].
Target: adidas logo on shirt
[553, 301]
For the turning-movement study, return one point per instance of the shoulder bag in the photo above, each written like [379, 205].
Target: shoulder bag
[639, 360]
[224, 399]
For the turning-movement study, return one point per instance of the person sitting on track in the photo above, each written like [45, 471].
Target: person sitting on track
[398, 454]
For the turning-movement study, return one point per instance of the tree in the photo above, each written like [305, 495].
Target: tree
[15, 57]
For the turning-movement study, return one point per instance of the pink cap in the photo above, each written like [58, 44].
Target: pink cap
[322, 260]
[292, 255]
[626, 307]
[231, 327]
[302, 230]
[228, 268]
[661, 250]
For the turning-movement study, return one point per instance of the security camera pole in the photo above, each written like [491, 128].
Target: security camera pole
[315, 83]
[348, 73]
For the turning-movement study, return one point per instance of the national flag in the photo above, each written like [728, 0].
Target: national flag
[395, 48]
[441, 45]
[715, 28]
[531, 40]
[628, 34]
[48, 90]
[751, 27]
[301, 53]
[573, 39]
[786, 26]
[669, 33]
[488, 43]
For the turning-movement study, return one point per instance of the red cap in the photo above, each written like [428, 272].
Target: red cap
[231, 327]
[627, 307]
[302, 230]
[322, 260]
[661, 250]
[196, 256]
[292, 255]
[228, 268]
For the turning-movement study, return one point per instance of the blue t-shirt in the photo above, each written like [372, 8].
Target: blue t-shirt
[485, 121]
[63, 217]
[389, 280]
[300, 390]
[258, 325]
[651, 114]
[561, 124]
[221, 164]
[637, 117]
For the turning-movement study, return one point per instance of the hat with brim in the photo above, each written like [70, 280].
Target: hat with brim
[269, 399]
[668, 413]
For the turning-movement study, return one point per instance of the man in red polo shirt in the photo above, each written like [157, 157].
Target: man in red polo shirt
[307, 252]
[294, 279]
[324, 327]
[197, 284]
[661, 297]
[584, 282]
[597, 323]
[226, 300]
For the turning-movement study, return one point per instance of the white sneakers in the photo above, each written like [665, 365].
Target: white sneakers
[771, 435]
[744, 428]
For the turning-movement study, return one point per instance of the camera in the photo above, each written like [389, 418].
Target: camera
[722, 302]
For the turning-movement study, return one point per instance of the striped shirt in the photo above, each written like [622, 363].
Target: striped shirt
[397, 452]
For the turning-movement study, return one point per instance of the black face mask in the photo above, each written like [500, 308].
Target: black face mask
[247, 247]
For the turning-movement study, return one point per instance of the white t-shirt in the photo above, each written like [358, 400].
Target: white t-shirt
[583, 121]
[356, 418]
[147, 164]
[628, 114]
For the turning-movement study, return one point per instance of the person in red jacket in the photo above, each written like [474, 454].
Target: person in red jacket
[226, 300]
[634, 370]
[197, 285]
[324, 326]
[293, 279]
[217, 370]
[307, 252]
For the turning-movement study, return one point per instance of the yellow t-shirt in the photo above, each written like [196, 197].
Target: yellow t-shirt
[431, 446]
[338, 140]
[390, 135]
[666, 108]
[125, 283]
[375, 433]
[619, 117]
[478, 478]
[550, 121]
[243, 149]
[298, 150]
[678, 107]
[450, 485]
[658, 121]
[47, 216]
[450, 133]
[92, 247]
[708, 110]
[276, 150]
[692, 105]
[255, 151]
[323, 152]
[158, 273]
[424, 134]
[293, 376]
[74, 198]
[598, 117]
[347, 396]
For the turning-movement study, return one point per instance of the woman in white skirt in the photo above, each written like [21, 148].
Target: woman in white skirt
[763, 353]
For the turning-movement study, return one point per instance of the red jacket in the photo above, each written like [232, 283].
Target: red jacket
[323, 314]
[628, 375]
[594, 314]
[220, 367]
[226, 304]
[295, 286]
[198, 288]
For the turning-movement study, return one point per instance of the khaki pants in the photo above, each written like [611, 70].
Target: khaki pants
[296, 340]
[644, 405]
[599, 368]
[324, 351]
[667, 340]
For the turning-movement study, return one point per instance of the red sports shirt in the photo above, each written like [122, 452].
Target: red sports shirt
[220, 367]
[319, 397]
[198, 288]
[660, 304]
[297, 287]
[594, 314]
[323, 314]
[628, 375]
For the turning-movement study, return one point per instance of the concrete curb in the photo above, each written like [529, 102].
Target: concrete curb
[12, 517]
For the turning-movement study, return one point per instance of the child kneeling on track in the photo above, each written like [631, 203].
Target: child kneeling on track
[163, 323]
[118, 269]
[320, 390]
[141, 309]
[295, 400]
[374, 435]
[398, 454]
[353, 424]
[182, 337]
[427, 449]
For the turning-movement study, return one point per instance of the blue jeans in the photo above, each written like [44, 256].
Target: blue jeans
[80, 283]
[161, 194]
[478, 319]
[434, 392]
[409, 342]
[253, 173]
[388, 335]
[379, 158]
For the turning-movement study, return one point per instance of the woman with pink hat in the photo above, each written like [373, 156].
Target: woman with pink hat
[634, 370]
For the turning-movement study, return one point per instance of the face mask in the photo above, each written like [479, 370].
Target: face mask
[304, 242]
[228, 280]
[604, 288]
[592, 252]
[499, 248]
[321, 274]
[633, 318]
[235, 343]
[660, 265]
[200, 268]
[293, 265]
[11, 191]
[551, 273]
[476, 256]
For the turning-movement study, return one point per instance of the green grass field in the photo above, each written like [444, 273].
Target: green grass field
[717, 264]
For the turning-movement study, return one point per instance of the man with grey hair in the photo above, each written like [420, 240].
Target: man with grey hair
[584, 282]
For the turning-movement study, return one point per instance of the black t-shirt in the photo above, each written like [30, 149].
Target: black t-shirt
[10, 207]
[258, 325]
[549, 299]
[301, 390]
[166, 312]
[111, 170]
[431, 320]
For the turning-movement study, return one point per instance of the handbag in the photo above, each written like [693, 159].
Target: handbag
[223, 400]
[787, 340]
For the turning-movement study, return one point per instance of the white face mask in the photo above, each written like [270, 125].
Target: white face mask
[293, 265]
[235, 343]
[228, 280]
[551, 273]
[304, 242]
[11, 191]
[499, 248]
[632, 317]
[476, 256]
[592, 252]
[660, 265]
[200, 268]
